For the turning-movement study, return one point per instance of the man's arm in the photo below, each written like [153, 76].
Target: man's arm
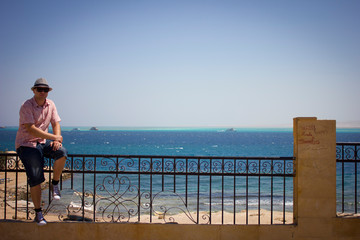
[36, 132]
[57, 132]
[56, 128]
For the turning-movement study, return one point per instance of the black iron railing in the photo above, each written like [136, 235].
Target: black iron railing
[168, 189]
[347, 177]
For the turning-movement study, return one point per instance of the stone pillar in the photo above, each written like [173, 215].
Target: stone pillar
[315, 181]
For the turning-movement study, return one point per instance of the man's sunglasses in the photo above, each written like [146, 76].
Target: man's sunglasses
[42, 89]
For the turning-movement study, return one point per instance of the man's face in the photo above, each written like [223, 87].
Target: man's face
[41, 92]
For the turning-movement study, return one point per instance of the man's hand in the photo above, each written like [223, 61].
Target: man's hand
[58, 138]
[55, 145]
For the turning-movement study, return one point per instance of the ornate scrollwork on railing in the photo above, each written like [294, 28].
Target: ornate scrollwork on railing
[118, 201]
[347, 152]
[125, 164]
[205, 166]
[117, 165]
[12, 162]
[178, 206]
[253, 167]
[193, 166]
[289, 167]
[169, 166]
[339, 153]
[278, 167]
[157, 166]
[89, 164]
[78, 164]
[241, 167]
[180, 166]
[217, 166]
[145, 165]
[266, 167]
[350, 153]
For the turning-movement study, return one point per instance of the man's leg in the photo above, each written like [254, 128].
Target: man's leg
[36, 196]
[33, 162]
[60, 156]
[58, 168]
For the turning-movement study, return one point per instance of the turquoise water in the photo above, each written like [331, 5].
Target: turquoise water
[179, 141]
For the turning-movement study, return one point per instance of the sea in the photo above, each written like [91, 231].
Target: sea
[239, 142]
[178, 141]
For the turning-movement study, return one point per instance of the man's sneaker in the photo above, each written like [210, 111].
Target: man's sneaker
[39, 219]
[56, 192]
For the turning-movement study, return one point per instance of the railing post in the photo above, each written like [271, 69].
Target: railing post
[315, 180]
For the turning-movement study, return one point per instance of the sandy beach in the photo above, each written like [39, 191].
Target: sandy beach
[228, 218]
[181, 218]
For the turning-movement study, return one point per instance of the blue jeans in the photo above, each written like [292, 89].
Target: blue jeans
[33, 160]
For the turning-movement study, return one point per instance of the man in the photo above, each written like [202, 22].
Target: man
[34, 142]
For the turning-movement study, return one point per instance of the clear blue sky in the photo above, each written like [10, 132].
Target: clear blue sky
[183, 63]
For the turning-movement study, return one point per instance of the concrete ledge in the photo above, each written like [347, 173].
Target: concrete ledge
[321, 228]
[346, 228]
[95, 231]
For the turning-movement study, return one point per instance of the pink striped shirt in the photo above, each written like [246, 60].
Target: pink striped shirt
[40, 116]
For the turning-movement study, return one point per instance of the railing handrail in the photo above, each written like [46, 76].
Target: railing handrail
[239, 166]
[171, 156]
[348, 143]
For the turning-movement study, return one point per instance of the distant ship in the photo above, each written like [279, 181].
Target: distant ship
[230, 130]
[2, 127]
[75, 129]
[94, 129]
